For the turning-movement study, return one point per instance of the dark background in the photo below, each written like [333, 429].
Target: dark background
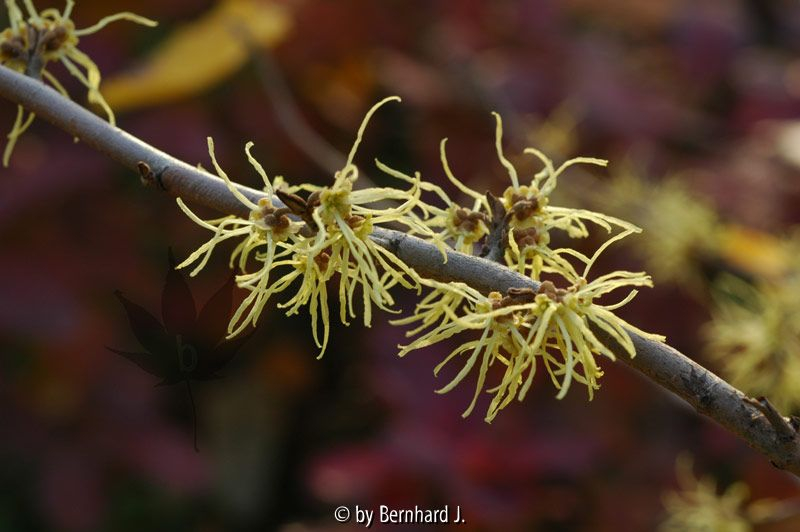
[696, 91]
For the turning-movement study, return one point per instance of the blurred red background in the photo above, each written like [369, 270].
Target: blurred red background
[698, 90]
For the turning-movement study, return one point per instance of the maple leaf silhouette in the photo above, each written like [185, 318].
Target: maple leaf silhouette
[187, 346]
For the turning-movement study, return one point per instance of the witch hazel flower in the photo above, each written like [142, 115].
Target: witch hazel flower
[344, 219]
[453, 225]
[310, 239]
[555, 327]
[499, 326]
[268, 238]
[531, 217]
[31, 42]
[268, 226]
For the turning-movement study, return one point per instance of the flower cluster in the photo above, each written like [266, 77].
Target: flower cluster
[528, 216]
[31, 42]
[331, 236]
[319, 233]
[563, 328]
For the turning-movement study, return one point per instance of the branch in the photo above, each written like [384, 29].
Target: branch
[667, 367]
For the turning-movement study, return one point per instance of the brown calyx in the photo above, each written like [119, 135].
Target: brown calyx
[53, 39]
[526, 237]
[299, 206]
[549, 289]
[523, 208]
[322, 259]
[276, 218]
[467, 220]
[354, 221]
[14, 49]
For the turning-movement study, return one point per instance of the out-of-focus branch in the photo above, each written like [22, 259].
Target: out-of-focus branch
[667, 367]
[289, 116]
[291, 120]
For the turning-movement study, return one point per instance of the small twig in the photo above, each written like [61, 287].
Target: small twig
[782, 425]
[494, 247]
[35, 61]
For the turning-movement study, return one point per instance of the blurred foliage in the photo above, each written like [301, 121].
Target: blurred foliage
[699, 506]
[684, 229]
[755, 336]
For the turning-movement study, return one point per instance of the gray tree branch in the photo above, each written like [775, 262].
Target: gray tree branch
[665, 366]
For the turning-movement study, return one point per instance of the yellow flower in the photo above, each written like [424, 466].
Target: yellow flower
[334, 237]
[555, 325]
[266, 225]
[344, 220]
[313, 292]
[268, 236]
[531, 217]
[43, 37]
[462, 227]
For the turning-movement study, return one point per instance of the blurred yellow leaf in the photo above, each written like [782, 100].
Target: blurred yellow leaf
[200, 54]
[753, 251]
[787, 142]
